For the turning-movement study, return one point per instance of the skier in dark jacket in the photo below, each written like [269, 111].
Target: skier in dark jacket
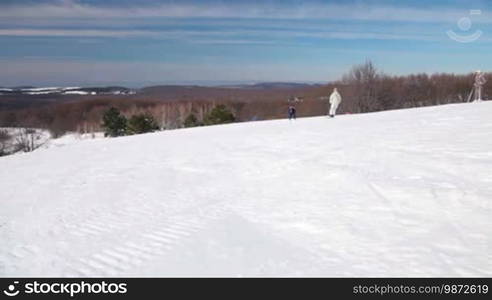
[292, 112]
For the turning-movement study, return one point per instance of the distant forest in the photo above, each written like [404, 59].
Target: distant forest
[364, 89]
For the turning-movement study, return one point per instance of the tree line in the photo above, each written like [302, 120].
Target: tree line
[116, 124]
[368, 89]
[364, 88]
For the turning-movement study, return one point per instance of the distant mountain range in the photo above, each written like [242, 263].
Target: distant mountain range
[271, 85]
[118, 90]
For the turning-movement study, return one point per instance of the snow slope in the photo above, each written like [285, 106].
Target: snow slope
[400, 193]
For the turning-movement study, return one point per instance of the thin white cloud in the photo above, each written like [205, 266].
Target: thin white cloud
[74, 33]
[71, 9]
[236, 36]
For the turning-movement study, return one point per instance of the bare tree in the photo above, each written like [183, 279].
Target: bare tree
[28, 140]
[4, 139]
[364, 79]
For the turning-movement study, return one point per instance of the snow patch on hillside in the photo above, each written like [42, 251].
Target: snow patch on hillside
[73, 138]
[75, 93]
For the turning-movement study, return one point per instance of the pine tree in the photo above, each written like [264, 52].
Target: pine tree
[114, 123]
[142, 123]
[219, 115]
[191, 121]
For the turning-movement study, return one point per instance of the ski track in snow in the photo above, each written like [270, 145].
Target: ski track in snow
[399, 193]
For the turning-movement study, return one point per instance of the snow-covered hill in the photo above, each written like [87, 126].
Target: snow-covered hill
[67, 91]
[400, 193]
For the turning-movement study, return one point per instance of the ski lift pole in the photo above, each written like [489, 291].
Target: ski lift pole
[470, 95]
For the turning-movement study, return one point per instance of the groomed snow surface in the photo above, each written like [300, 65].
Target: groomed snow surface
[398, 193]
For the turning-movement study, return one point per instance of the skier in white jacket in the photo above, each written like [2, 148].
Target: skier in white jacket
[335, 99]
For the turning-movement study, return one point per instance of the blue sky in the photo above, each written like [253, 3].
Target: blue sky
[137, 43]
